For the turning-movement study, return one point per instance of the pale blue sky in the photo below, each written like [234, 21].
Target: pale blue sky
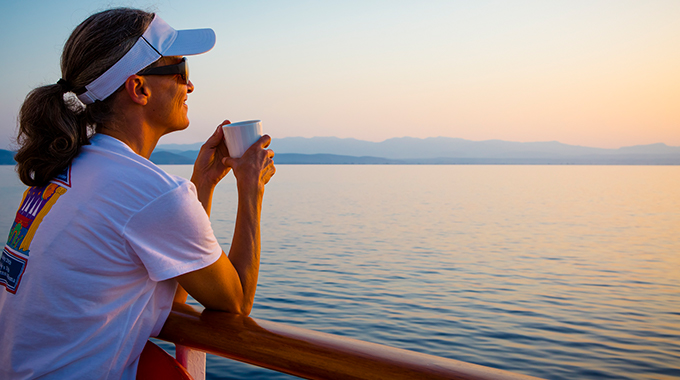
[593, 73]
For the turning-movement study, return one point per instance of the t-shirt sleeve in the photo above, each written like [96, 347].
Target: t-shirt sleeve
[172, 235]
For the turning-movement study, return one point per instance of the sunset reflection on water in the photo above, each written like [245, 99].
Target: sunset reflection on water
[559, 272]
[554, 271]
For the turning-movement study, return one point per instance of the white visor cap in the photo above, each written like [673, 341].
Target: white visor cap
[159, 40]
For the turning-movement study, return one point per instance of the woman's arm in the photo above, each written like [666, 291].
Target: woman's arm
[209, 168]
[230, 283]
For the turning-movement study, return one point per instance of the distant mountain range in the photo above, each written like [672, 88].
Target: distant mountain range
[439, 150]
[434, 150]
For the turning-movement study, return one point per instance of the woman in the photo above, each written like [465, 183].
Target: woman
[103, 237]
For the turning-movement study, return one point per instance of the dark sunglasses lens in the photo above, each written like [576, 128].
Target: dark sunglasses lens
[185, 74]
[181, 68]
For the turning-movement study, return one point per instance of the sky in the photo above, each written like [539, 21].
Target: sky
[591, 73]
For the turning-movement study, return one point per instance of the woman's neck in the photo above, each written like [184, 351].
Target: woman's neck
[140, 139]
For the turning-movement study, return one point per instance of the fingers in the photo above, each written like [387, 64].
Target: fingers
[269, 169]
[229, 162]
[264, 141]
[217, 137]
[256, 163]
[269, 172]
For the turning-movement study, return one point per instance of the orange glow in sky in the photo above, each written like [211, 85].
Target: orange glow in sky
[592, 73]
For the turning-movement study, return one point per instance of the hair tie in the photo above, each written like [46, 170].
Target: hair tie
[65, 86]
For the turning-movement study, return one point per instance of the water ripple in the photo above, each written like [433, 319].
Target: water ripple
[560, 272]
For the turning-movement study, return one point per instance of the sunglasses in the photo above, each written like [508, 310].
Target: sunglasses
[181, 68]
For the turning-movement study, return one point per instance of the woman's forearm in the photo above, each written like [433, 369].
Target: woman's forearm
[244, 253]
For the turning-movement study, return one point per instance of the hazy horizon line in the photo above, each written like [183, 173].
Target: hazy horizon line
[9, 144]
[447, 137]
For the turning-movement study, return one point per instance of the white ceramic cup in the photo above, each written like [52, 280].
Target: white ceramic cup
[240, 136]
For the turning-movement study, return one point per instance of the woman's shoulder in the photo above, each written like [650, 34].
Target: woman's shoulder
[109, 164]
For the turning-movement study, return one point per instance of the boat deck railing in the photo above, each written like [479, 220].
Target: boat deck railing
[304, 353]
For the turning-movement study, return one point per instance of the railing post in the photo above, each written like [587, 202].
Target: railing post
[192, 360]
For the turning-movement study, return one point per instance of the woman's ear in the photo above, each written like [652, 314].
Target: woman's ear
[137, 89]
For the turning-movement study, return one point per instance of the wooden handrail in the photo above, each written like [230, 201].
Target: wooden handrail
[310, 354]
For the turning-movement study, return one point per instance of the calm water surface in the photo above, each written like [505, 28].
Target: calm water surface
[560, 272]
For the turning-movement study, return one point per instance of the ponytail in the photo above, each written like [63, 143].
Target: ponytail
[51, 131]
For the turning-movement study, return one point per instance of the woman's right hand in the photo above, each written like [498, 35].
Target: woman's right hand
[256, 167]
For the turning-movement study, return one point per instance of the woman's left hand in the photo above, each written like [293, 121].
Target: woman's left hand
[208, 168]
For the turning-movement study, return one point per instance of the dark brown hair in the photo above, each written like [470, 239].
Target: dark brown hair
[53, 123]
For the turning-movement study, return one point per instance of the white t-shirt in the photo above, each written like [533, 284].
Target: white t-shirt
[89, 265]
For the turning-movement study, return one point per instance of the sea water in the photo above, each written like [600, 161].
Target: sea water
[560, 272]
